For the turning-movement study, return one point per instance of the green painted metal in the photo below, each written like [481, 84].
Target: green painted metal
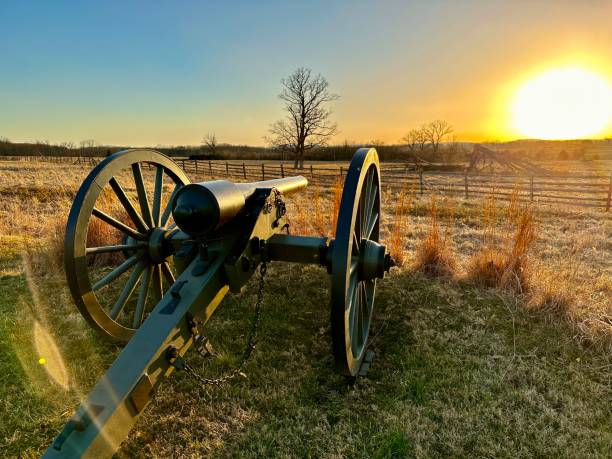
[210, 258]
[298, 249]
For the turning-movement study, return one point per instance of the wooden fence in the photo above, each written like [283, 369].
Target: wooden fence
[576, 190]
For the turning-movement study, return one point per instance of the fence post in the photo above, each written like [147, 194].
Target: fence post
[226, 168]
[195, 161]
[210, 167]
[609, 194]
[244, 170]
[467, 188]
[341, 172]
[531, 188]
[183, 163]
[282, 171]
[263, 171]
[311, 173]
[421, 181]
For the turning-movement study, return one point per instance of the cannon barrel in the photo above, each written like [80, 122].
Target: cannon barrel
[200, 208]
[286, 186]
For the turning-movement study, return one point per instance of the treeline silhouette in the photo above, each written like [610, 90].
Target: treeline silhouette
[451, 152]
[342, 152]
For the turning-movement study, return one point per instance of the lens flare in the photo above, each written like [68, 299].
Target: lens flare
[52, 360]
[564, 103]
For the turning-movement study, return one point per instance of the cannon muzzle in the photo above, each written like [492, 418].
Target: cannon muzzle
[200, 208]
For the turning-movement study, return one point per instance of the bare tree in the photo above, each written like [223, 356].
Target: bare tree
[435, 132]
[374, 143]
[84, 145]
[416, 140]
[307, 124]
[210, 142]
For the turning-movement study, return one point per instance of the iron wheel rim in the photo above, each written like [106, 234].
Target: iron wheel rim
[352, 298]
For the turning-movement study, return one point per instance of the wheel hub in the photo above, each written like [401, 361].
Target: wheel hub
[372, 258]
[158, 248]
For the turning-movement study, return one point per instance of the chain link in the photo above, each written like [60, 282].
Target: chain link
[180, 364]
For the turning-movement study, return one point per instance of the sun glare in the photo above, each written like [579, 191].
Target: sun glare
[564, 103]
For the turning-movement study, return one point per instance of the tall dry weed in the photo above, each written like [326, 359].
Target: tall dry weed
[503, 260]
[434, 254]
[403, 204]
[336, 198]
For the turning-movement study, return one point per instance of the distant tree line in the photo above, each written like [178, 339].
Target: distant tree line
[448, 152]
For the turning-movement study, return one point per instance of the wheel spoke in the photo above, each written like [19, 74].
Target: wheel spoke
[142, 194]
[371, 225]
[118, 271]
[168, 209]
[358, 221]
[359, 324]
[366, 189]
[158, 289]
[372, 193]
[368, 289]
[128, 206]
[354, 305]
[363, 212]
[127, 291]
[143, 294]
[117, 224]
[167, 272]
[354, 266]
[113, 248]
[157, 194]
[355, 243]
[366, 193]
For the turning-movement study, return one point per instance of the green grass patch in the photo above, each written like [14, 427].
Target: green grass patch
[459, 371]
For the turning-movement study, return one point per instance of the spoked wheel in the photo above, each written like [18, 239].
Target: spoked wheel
[118, 239]
[357, 259]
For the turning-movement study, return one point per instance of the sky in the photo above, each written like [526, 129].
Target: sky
[168, 72]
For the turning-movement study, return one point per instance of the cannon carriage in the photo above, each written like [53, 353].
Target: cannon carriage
[181, 251]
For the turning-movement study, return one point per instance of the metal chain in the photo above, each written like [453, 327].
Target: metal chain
[281, 208]
[180, 364]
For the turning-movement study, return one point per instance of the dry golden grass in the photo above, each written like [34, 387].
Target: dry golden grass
[336, 199]
[434, 253]
[557, 289]
[313, 214]
[433, 338]
[318, 217]
[396, 242]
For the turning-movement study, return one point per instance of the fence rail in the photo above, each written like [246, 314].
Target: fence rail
[572, 189]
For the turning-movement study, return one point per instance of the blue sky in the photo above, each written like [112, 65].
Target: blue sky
[147, 73]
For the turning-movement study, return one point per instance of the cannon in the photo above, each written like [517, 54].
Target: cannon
[183, 246]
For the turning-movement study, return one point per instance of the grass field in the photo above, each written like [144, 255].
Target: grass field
[461, 369]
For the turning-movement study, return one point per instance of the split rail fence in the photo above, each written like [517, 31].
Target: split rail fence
[593, 191]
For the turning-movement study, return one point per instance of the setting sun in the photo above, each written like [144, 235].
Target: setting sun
[563, 103]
